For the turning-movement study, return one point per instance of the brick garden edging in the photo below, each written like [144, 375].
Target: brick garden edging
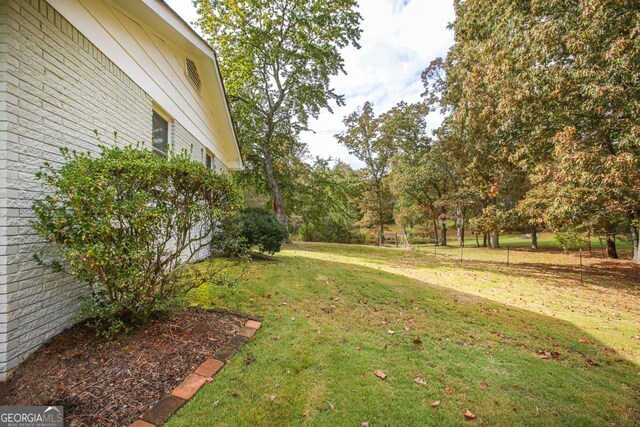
[203, 374]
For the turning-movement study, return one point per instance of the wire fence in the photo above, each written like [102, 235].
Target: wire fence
[575, 261]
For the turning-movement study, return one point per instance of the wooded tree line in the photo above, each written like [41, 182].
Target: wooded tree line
[541, 101]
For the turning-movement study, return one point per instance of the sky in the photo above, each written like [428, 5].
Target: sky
[399, 39]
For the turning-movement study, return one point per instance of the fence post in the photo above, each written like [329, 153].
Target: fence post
[461, 249]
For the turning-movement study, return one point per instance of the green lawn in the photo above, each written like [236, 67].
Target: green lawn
[328, 311]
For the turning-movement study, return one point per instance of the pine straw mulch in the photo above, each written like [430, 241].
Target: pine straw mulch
[109, 383]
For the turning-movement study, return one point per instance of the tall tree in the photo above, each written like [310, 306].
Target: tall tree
[552, 83]
[277, 58]
[326, 203]
[364, 138]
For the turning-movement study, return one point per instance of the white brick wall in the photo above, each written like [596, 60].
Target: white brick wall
[55, 89]
[183, 140]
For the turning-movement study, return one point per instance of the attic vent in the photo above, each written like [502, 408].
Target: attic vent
[192, 74]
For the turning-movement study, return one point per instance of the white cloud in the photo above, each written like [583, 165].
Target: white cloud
[399, 39]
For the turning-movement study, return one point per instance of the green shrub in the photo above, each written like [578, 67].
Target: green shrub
[252, 228]
[127, 222]
[261, 229]
[571, 239]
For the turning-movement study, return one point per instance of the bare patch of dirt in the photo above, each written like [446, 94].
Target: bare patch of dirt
[108, 383]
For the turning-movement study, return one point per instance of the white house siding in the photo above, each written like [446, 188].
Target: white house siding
[154, 57]
[55, 89]
[183, 140]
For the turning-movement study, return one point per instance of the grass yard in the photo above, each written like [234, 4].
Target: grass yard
[521, 345]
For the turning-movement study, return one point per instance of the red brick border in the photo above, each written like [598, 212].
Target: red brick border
[193, 382]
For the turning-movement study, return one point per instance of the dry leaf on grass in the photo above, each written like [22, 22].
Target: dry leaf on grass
[591, 362]
[469, 415]
[380, 374]
[419, 381]
[546, 354]
[391, 332]
[448, 390]
[435, 404]
[484, 384]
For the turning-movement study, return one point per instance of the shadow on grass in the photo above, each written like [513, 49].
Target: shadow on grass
[606, 273]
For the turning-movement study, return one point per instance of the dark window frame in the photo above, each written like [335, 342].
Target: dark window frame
[208, 160]
[160, 133]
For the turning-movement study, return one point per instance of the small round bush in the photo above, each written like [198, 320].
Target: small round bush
[260, 228]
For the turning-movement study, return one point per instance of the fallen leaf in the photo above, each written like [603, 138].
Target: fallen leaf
[380, 374]
[417, 341]
[364, 424]
[448, 390]
[419, 381]
[469, 415]
[484, 384]
[583, 341]
[546, 354]
[272, 397]
[591, 362]
[391, 332]
[435, 404]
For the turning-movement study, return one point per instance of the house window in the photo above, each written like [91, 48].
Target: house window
[160, 134]
[209, 160]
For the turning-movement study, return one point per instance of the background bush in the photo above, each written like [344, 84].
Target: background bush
[251, 228]
[127, 222]
[261, 229]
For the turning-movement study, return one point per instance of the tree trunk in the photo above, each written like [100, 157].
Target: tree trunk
[462, 235]
[611, 247]
[495, 240]
[443, 233]
[635, 235]
[635, 239]
[485, 237]
[380, 215]
[406, 238]
[477, 241]
[534, 238]
[278, 201]
[435, 232]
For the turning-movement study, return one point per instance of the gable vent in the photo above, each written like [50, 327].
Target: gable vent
[192, 74]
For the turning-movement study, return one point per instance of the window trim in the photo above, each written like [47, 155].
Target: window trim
[209, 158]
[156, 109]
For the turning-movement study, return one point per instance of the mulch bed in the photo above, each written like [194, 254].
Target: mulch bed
[108, 383]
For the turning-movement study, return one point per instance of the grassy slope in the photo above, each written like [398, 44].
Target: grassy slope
[325, 332]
